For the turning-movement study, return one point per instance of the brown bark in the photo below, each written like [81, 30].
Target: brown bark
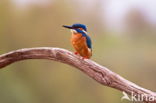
[99, 73]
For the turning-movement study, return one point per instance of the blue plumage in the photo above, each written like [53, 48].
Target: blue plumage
[79, 25]
[80, 40]
[89, 42]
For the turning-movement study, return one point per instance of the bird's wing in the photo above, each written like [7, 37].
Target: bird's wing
[88, 40]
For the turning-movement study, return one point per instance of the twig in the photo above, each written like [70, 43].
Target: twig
[99, 73]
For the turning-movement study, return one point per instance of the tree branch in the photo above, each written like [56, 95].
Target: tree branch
[99, 73]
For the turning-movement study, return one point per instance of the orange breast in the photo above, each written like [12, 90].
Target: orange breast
[80, 45]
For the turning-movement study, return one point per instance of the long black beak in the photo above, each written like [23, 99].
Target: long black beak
[69, 27]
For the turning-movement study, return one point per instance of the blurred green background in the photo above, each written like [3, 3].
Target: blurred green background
[124, 40]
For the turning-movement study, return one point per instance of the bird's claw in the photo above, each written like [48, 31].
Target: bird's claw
[75, 53]
[85, 58]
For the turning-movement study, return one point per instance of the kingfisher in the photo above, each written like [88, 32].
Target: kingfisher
[80, 40]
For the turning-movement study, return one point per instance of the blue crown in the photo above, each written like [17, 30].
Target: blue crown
[76, 26]
[80, 26]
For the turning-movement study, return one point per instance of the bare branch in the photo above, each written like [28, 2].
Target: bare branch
[99, 73]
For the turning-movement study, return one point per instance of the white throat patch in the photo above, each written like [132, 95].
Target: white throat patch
[73, 31]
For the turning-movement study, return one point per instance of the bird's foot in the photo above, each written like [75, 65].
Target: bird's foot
[76, 53]
[85, 58]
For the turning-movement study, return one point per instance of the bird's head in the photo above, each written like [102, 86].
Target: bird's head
[76, 27]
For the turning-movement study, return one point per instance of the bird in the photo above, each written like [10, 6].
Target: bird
[80, 40]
